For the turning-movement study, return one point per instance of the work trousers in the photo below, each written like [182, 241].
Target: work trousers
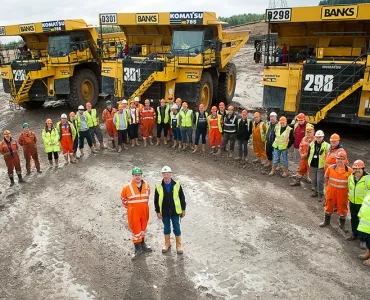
[336, 197]
[28, 152]
[243, 148]
[75, 144]
[215, 137]
[355, 208]
[187, 134]
[96, 131]
[85, 135]
[50, 155]
[280, 153]
[163, 127]
[138, 216]
[122, 137]
[176, 134]
[297, 155]
[303, 167]
[367, 238]
[317, 176]
[259, 148]
[269, 151]
[133, 131]
[228, 137]
[146, 128]
[111, 129]
[175, 220]
[13, 162]
[200, 132]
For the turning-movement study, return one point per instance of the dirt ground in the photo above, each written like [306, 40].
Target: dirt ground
[64, 233]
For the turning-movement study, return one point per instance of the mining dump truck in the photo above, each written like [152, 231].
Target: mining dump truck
[55, 60]
[319, 64]
[171, 55]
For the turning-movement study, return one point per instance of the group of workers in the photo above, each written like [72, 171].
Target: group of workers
[323, 165]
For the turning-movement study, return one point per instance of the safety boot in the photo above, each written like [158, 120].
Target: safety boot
[203, 148]
[213, 151]
[11, 177]
[102, 147]
[56, 163]
[185, 146]
[180, 145]
[179, 248]
[363, 245]
[268, 164]
[273, 170]
[138, 251]
[230, 154]
[258, 159]
[20, 179]
[137, 142]
[308, 179]
[119, 149]
[93, 150]
[72, 159]
[113, 144]
[342, 223]
[145, 247]
[132, 143]
[151, 141]
[326, 221]
[158, 141]
[144, 139]
[365, 256]
[296, 182]
[174, 144]
[351, 237]
[314, 194]
[285, 173]
[218, 151]
[38, 170]
[320, 198]
[51, 163]
[191, 146]
[124, 146]
[195, 149]
[167, 243]
[165, 141]
[28, 172]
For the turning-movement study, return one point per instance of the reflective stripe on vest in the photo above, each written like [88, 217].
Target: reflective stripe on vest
[91, 119]
[219, 125]
[357, 192]
[197, 117]
[282, 140]
[248, 123]
[186, 118]
[323, 150]
[262, 133]
[174, 117]
[230, 127]
[176, 198]
[129, 116]
[51, 140]
[166, 115]
[137, 198]
[118, 119]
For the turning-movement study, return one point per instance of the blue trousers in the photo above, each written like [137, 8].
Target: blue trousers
[176, 134]
[175, 219]
[198, 133]
[277, 154]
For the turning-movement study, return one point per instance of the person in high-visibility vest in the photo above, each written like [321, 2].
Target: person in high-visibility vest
[163, 121]
[270, 138]
[9, 150]
[72, 119]
[92, 120]
[170, 206]
[27, 139]
[107, 116]
[358, 187]
[67, 134]
[335, 146]
[284, 138]
[316, 161]
[83, 132]
[222, 110]
[147, 121]
[243, 133]
[201, 128]
[186, 126]
[133, 117]
[50, 137]
[259, 138]
[138, 105]
[364, 227]
[215, 131]
[120, 120]
[300, 128]
[135, 198]
[336, 177]
[229, 130]
[175, 126]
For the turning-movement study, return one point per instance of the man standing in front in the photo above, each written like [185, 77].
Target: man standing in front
[92, 120]
[229, 130]
[244, 131]
[107, 117]
[27, 139]
[170, 206]
[259, 138]
[135, 197]
[270, 138]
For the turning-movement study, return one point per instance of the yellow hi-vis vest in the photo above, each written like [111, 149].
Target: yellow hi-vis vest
[219, 123]
[118, 118]
[186, 118]
[322, 153]
[364, 215]
[262, 133]
[91, 119]
[166, 115]
[357, 192]
[129, 115]
[282, 140]
[51, 140]
[176, 198]
[197, 117]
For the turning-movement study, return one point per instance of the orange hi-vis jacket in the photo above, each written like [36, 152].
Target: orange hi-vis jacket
[304, 146]
[331, 157]
[108, 115]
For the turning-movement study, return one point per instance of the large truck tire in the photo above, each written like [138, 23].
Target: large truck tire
[32, 104]
[204, 91]
[84, 89]
[227, 84]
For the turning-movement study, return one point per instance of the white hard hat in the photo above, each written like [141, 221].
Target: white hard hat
[63, 116]
[166, 169]
[137, 99]
[81, 107]
[124, 101]
[319, 133]
[174, 107]
[273, 114]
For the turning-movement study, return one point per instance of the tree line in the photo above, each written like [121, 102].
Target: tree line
[242, 19]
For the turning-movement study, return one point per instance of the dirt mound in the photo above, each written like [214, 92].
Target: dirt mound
[256, 28]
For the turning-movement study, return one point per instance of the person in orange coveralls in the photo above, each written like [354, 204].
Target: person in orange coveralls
[215, 131]
[135, 197]
[147, 121]
[9, 149]
[27, 139]
[336, 177]
[259, 138]
[67, 134]
[107, 116]
[304, 148]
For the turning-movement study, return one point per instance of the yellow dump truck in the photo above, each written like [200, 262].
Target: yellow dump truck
[171, 55]
[319, 63]
[55, 60]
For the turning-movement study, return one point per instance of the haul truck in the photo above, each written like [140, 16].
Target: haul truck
[55, 60]
[319, 64]
[172, 54]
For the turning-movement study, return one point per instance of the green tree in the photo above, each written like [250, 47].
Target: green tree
[242, 19]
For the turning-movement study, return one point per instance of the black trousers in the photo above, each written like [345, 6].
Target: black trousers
[50, 155]
[133, 131]
[269, 151]
[355, 208]
[163, 127]
[75, 144]
[85, 135]
[122, 137]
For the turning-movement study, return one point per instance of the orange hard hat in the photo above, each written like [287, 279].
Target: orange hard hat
[121, 106]
[178, 99]
[147, 101]
[244, 112]
[358, 164]
[49, 121]
[230, 107]
[283, 119]
[214, 108]
[163, 101]
[72, 114]
[185, 104]
[342, 154]
[310, 128]
[6, 133]
[335, 137]
[201, 106]
[301, 117]
[88, 104]
[256, 114]
[221, 104]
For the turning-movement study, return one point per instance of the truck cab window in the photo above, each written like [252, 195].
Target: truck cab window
[59, 46]
[185, 43]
